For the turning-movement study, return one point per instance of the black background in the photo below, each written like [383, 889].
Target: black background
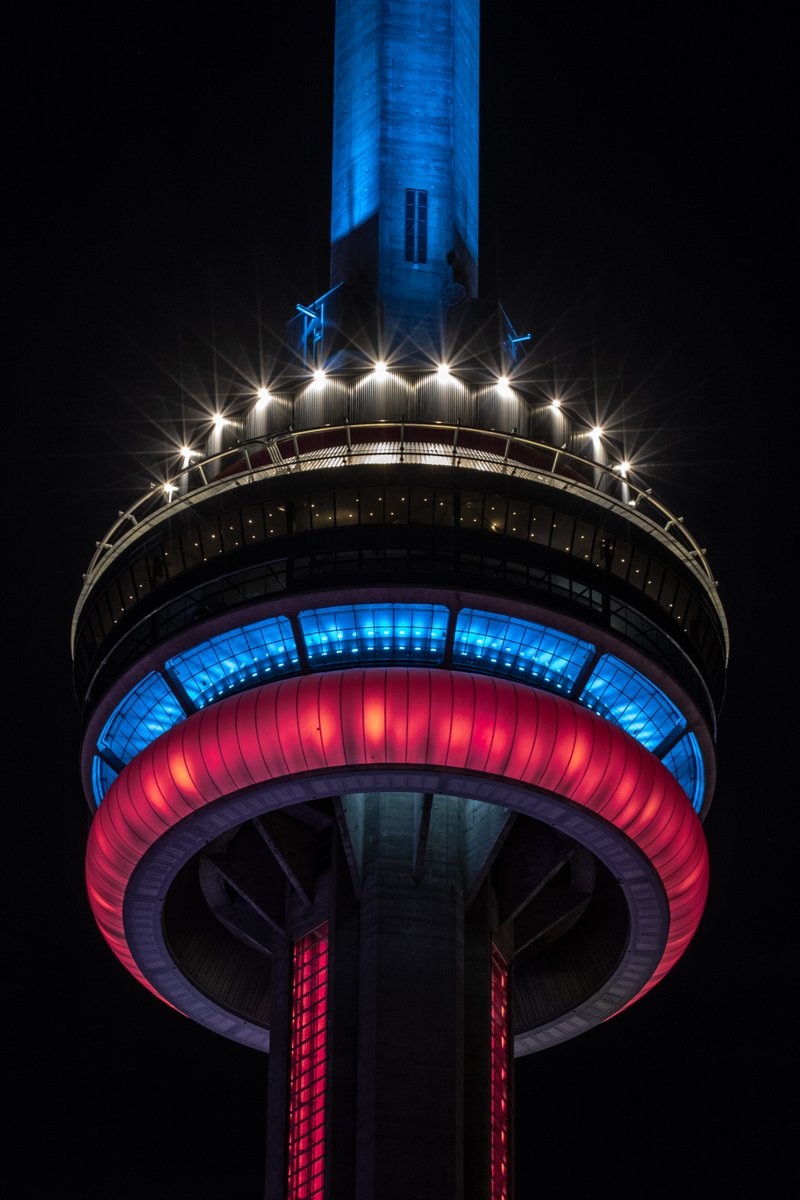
[169, 192]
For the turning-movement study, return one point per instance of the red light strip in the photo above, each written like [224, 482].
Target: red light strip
[398, 715]
[500, 1100]
[307, 1066]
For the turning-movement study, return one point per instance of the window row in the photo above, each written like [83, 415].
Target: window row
[330, 509]
[362, 633]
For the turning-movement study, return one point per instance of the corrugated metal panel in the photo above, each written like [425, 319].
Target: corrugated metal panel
[388, 399]
[445, 400]
[262, 420]
[503, 409]
[319, 404]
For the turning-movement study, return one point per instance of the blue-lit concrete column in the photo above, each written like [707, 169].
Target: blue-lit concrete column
[404, 212]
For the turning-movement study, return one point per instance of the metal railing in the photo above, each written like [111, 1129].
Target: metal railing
[342, 446]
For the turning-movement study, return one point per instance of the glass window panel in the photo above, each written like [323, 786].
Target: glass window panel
[563, 532]
[541, 524]
[235, 660]
[388, 632]
[603, 544]
[421, 506]
[115, 600]
[371, 506]
[347, 506]
[102, 778]
[190, 544]
[396, 506]
[621, 562]
[141, 577]
[640, 564]
[668, 591]
[253, 523]
[655, 577]
[627, 698]
[508, 646]
[231, 530]
[681, 604]
[104, 614]
[322, 510]
[301, 514]
[94, 627]
[275, 519]
[172, 557]
[471, 516]
[685, 762]
[444, 508]
[210, 540]
[583, 540]
[127, 587]
[519, 515]
[145, 713]
[495, 514]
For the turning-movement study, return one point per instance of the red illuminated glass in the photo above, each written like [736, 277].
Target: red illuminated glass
[499, 1085]
[307, 1066]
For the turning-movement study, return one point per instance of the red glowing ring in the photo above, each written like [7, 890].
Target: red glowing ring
[398, 717]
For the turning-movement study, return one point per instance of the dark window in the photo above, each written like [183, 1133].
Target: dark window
[416, 226]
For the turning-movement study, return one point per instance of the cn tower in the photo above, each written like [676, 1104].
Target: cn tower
[400, 697]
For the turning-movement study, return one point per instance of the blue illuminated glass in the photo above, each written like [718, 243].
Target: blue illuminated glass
[145, 713]
[389, 632]
[235, 660]
[102, 778]
[625, 697]
[686, 763]
[508, 646]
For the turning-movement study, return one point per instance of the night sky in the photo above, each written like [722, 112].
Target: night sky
[170, 204]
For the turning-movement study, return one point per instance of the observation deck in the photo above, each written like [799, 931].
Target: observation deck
[405, 520]
[300, 495]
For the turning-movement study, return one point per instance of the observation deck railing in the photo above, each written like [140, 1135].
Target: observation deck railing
[346, 445]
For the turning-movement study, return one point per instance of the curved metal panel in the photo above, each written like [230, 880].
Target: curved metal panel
[447, 401]
[321, 403]
[372, 399]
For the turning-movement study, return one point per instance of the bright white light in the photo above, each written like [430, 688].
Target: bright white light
[319, 375]
[264, 397]
[443, 371]
[555, 402]
[218, 420]
[186, 453]
[503, 386]
[381, 370]
[623, 468]
[596, 433]
[170, 488]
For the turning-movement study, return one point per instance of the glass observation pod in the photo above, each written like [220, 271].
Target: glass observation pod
[398, 633]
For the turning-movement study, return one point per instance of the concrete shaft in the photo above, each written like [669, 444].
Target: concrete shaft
[404, 206]
[408, 1100]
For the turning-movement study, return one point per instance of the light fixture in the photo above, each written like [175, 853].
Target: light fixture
[596, 433]
[503, 386]
[443, 371]
[319, 375]
[380, 369]
[186, 453]
[263, 397]
[218, 420]
[555, 402]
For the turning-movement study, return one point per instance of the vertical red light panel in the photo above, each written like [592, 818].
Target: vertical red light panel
[499, 1089]
[307, 1067]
